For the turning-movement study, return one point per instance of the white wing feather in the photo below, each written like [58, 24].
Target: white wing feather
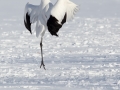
[71, 10]
[48, 9]
[32, 10]
[64, 6]
[59, 9]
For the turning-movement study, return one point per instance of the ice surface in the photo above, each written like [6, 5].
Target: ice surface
[85, 56]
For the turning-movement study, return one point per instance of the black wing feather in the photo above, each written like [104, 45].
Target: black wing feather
[64, 19]
[27, 23]
[53, 25]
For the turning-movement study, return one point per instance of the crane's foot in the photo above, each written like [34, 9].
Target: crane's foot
[42, 64]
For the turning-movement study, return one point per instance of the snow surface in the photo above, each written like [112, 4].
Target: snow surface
[85, 56]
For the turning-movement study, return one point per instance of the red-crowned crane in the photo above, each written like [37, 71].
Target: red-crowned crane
[49, 17]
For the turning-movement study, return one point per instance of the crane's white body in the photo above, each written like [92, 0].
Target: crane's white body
[39, 14]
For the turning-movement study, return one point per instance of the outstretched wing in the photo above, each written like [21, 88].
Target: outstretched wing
[72, 9]
[62, 11]
[64, 6]
[38, 15]
[30, 15]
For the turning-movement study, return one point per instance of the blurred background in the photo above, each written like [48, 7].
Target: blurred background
[88, 8]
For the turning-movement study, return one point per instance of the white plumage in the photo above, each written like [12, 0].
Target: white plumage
[48, 17]
[64, 6]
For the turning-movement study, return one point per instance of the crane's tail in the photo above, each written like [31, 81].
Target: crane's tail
[72, 8]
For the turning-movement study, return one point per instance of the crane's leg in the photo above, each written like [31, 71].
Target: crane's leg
[42, 62]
